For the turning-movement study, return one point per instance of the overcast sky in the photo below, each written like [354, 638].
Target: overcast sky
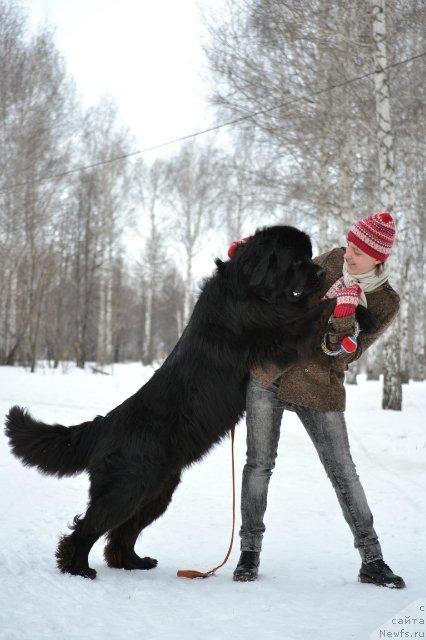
[146, 53]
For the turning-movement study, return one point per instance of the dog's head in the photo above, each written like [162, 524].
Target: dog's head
[276, 263]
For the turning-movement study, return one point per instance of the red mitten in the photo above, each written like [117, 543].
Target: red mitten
[347, 301]
[237, 243]
[349, 344]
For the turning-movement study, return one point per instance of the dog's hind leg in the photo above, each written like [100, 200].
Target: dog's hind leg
[109, 507]
[119, 552]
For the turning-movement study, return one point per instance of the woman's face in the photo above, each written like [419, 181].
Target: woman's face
[357, 261]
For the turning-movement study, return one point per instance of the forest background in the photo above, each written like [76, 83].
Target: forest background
[320, 111]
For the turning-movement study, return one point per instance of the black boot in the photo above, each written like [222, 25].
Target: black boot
[378, 572]
[247, 567]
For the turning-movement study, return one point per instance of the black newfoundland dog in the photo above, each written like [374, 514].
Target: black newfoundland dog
[260, 306]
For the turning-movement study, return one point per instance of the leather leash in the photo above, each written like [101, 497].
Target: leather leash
[192, 573]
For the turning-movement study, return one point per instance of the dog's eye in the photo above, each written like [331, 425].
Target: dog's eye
[297, 263]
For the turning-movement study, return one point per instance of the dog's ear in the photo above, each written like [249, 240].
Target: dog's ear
[229, 274]
[220, 265]
[264, 271]
[367, 321]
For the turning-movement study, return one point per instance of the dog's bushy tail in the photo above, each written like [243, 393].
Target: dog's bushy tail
[53, 449]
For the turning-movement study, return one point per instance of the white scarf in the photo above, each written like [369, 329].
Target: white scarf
[367, 281]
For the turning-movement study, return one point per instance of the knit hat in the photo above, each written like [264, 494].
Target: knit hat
[374, 235]
[238, 243]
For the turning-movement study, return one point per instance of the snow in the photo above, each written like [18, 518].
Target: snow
[307, 587]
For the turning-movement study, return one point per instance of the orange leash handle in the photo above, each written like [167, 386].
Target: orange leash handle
[192, 573]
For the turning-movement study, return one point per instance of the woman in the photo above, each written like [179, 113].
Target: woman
[315, 391]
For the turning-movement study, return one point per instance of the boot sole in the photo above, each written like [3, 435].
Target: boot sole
[390, 585]
[244, 578]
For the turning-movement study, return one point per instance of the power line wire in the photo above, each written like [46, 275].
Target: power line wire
[222, 125]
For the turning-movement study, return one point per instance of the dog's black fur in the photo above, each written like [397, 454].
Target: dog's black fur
[261, 306]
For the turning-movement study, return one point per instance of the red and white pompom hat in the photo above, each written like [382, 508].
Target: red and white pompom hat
[374, 235]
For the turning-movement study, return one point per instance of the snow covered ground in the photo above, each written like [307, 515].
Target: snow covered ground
[308, 587]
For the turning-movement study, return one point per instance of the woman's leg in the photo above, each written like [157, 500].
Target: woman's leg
[328, 432]
[264, 414]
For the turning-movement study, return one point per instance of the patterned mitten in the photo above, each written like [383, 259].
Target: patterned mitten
[347, 301]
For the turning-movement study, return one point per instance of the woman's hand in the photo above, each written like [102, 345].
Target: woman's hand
[347, 301]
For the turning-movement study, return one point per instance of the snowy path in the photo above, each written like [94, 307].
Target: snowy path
[307, 588]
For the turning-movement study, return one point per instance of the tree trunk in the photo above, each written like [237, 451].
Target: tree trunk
[187, 300]
[392, 390]
[351, 374]
[152, 251]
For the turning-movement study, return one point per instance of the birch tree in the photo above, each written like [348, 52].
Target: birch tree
[408, 112]
[150, 191]
[101, 205]
[392, 389]
[331, 147]
[35, 96]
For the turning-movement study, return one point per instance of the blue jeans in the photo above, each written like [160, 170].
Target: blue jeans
[327, 430]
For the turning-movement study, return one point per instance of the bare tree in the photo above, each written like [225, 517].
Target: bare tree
[34, 100]
[150, 184]
[193, 195]
[392, 390]
[100, 209]
[299, 69]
